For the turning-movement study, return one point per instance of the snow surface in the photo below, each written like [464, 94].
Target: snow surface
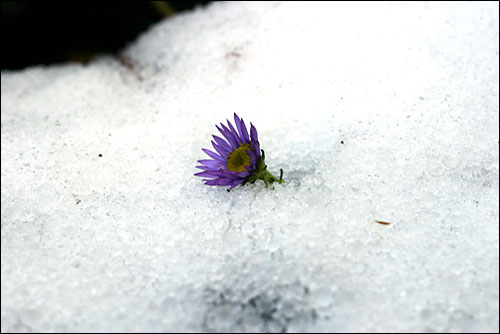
[375, 112]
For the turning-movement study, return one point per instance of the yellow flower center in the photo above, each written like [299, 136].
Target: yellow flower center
[239, 159]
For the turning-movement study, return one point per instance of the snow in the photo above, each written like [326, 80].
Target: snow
[383, 111]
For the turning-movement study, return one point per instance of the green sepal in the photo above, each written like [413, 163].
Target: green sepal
[261, 173]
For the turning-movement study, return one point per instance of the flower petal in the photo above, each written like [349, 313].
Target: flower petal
[211, 182]
[219, 150]
[255, 140]
[240, 140]
[214, 164]
[218, 182]
[256, 149]
[213, 154]
[242, 129]
[222, 143]
[204, 168]
[234, 184]
[233, 140]
[253, 133]
[208, 174]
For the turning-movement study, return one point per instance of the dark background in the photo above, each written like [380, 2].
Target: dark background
[38, 33]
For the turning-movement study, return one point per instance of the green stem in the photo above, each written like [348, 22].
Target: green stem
[270, 178]
[261, 173]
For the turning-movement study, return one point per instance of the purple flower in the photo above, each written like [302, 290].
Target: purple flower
[237, 159]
